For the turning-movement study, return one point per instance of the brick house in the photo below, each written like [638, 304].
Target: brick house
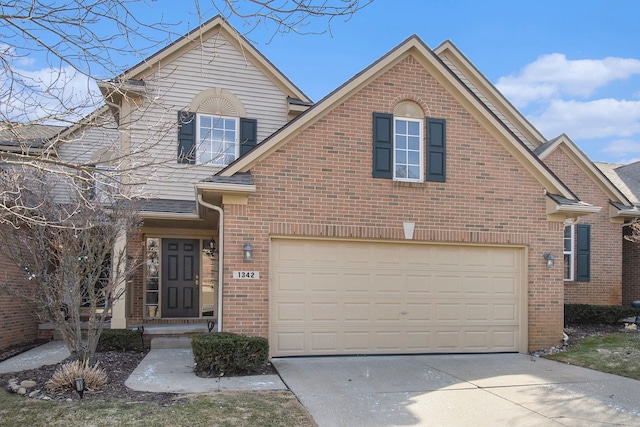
[18, 320]
[627, 179]
[408, 211]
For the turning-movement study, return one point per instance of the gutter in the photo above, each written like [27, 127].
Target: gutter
[220, 254]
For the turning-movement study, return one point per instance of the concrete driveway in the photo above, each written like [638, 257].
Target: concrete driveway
[458, 390]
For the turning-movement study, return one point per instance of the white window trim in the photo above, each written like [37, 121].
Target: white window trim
[571, 254]
[422, 148]
[199, 141]
[105, 183]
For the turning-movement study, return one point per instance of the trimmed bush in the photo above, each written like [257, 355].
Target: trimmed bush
[222, 353]
[586, 314]
[119, 340]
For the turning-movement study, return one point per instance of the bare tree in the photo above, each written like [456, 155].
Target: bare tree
[87, 40]
[68, 253]
[82, 42]
[633, 234]
[62, 238]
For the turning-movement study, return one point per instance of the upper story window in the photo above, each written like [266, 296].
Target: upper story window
[408, 150]
[568, 253]
[217, 140]
[215, 130]
[408, 146]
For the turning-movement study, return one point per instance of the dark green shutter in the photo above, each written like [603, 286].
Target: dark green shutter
[248, 134]
[583, 258]
[186, 137]
[436, 150]
[382, 145]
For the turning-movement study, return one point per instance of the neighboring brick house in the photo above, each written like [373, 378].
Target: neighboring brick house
[408, 211]
[18, 320]
[627, 179]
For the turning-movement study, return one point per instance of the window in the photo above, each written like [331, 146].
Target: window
[214, 140]
[577, 252]
[217, 140]
[402, 153]
[568, 253]
[407, 159]
[105, 184]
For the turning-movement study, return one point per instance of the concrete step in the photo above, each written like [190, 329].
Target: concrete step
[170, 342]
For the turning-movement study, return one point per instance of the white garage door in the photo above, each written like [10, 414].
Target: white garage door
[338, 297]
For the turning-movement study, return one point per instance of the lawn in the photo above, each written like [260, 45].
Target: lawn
[270, 408]
[615, 353]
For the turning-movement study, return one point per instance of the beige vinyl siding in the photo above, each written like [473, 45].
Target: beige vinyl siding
[82, 146]
[217, 63]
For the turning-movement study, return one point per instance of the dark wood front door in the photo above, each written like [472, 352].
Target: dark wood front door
[180, 278]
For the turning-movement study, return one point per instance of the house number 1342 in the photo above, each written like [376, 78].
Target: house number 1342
[246, 275]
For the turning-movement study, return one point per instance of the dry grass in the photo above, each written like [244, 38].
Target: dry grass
[617, 353]
[232, 409]
[62, 379]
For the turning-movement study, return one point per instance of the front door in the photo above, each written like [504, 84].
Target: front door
[180, 278]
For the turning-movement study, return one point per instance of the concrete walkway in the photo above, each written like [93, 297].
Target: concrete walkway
[47, 354]
[458, 390]
[168, 367]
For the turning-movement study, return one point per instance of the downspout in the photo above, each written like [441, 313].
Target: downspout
[220, 254]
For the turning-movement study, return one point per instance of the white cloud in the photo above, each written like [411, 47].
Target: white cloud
[590, 119]
[552, 76]
[622, 148]
[46, 94]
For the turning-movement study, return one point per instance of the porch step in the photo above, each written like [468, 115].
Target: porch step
[170, 342]
[172, 329]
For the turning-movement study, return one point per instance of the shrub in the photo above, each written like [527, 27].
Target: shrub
[226, 353]
[119, 339]
[586, 314]
[62, 379]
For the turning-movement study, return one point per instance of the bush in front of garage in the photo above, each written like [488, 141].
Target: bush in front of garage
[220, 353]
[586, 314]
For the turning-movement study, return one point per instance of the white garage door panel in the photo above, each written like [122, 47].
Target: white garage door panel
[353, 297]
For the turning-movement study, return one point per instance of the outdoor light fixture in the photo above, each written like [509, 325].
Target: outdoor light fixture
[551, 260]
[209, 247]
[79, 384]
[247, 252]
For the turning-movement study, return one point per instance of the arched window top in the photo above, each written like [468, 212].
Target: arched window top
[217, 102]
[408, 109]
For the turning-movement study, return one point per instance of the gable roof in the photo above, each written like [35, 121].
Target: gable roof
[459, 64]
[583, 162]
[625, 177]
[20, 136]
[413, 46]
[620, 206]
[212, 27]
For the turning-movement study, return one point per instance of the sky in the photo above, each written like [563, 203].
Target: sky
[569, 66]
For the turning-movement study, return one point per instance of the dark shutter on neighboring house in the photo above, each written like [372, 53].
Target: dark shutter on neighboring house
[583, 258]
[436, 150]
[382, 145]
[186, 137]
[248, 134]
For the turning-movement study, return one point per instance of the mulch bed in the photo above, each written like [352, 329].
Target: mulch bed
[118, 365]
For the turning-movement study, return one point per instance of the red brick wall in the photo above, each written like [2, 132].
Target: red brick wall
[605, 286]
[631, 271]
[320, 184]
[18, 321]
[135, 288]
